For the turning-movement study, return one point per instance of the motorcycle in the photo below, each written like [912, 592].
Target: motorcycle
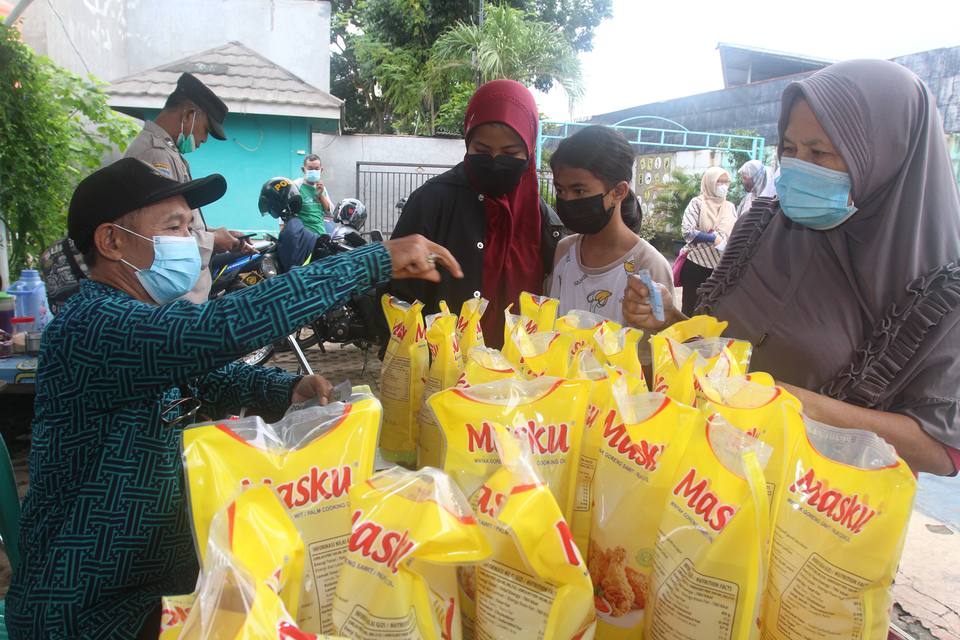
[348, 324]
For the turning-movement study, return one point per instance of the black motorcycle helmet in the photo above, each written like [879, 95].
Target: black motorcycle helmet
[350, 212]
[280, 198]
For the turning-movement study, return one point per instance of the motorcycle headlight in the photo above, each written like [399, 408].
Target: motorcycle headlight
[268, 267]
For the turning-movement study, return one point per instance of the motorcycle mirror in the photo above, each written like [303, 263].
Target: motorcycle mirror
[376, 236]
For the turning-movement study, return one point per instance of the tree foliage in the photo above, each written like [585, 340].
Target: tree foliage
[674, 195]
[55, 127]
[510, 44]
[381, 63]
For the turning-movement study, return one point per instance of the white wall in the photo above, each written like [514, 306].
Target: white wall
[117, 38]
[340, 155]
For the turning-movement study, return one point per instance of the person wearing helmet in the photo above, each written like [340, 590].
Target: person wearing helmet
[280, 198]
[350, 215]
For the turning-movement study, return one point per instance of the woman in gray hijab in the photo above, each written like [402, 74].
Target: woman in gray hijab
[848, 284]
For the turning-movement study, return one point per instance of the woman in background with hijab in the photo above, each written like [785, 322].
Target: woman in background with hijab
[848, 285]
[757, 182]
[487, 211]
[707, 223]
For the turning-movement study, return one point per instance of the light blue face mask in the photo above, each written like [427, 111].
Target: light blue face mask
[313, 175]
[186, 144]
[813, 196]
[175, 269]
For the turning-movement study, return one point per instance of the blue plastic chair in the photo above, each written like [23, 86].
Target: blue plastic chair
[9, 521]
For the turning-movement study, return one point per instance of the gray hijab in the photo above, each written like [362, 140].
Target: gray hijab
[867, 312]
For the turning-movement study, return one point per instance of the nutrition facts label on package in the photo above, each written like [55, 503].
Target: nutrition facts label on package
[395, 383]
[582, 499]
[690, 605]
[821, 600]
[326, 560]
[363, 624]
[498, 613]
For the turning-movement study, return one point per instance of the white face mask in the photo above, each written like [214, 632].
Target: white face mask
[721, 190]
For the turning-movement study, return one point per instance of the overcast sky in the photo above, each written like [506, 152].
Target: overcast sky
[653, 51]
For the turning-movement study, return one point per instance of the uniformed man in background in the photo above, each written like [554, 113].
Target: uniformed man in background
[191, 113]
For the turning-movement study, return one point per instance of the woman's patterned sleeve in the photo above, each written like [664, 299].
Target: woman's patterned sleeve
[691, 221]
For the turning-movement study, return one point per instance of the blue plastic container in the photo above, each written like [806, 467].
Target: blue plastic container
[31, 297]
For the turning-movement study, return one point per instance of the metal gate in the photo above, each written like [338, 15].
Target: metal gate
[381, 185]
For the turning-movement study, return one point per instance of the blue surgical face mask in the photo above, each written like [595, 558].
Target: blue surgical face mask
[813, 196]
[313, 175]
[175, 269]
[186, 144]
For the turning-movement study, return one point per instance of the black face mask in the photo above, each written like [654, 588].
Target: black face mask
[584, 215]
[495, 175]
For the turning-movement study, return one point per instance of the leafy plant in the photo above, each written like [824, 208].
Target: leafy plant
[674, 196]
[511, 44]
[55, 127]
[381, 63]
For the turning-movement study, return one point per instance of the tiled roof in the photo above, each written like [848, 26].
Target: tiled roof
[245, 80]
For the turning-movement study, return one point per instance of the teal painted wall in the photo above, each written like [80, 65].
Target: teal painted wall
[247, 167]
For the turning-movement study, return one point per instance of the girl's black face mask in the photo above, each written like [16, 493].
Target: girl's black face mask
[495, 175]
[585, 215]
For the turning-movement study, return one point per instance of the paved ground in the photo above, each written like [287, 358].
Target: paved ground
[928, 600]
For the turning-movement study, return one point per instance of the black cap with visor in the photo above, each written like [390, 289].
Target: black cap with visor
[127, 185]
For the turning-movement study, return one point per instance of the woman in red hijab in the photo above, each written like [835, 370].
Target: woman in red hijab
[487, 211]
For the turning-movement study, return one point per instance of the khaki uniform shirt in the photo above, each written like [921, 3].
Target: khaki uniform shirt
[154, 146]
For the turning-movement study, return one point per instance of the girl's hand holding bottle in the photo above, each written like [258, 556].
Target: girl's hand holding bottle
[639, 314]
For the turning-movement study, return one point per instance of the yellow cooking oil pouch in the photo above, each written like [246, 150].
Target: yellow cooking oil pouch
[484, 365]
[250, 583]
[709, 562]
[761, 378]
[311, 458]
[639, 452]
[546, 353]
[676, 365]
[402, 374]
[839, 527]
[410, 531]
[446, 367]
[696, 328]
[468, 324]
[547, 412]
[513, 333]
[756, 409]
[620, 349]
[602, 408]
[173, 613]
[535, 583]
[539, 312]
[584, 327]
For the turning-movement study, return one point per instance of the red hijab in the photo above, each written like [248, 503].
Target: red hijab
[512, 260]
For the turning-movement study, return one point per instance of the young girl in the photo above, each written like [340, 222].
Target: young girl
[592, 170]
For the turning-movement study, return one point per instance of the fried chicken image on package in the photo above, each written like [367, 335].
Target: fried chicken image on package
[624, 588]
[638, 581]
[597, 562]
[616, 588]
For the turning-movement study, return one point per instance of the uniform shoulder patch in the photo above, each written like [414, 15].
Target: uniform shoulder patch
[162, 168]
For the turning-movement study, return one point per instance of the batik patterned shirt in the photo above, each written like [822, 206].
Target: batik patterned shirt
[104, 530]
